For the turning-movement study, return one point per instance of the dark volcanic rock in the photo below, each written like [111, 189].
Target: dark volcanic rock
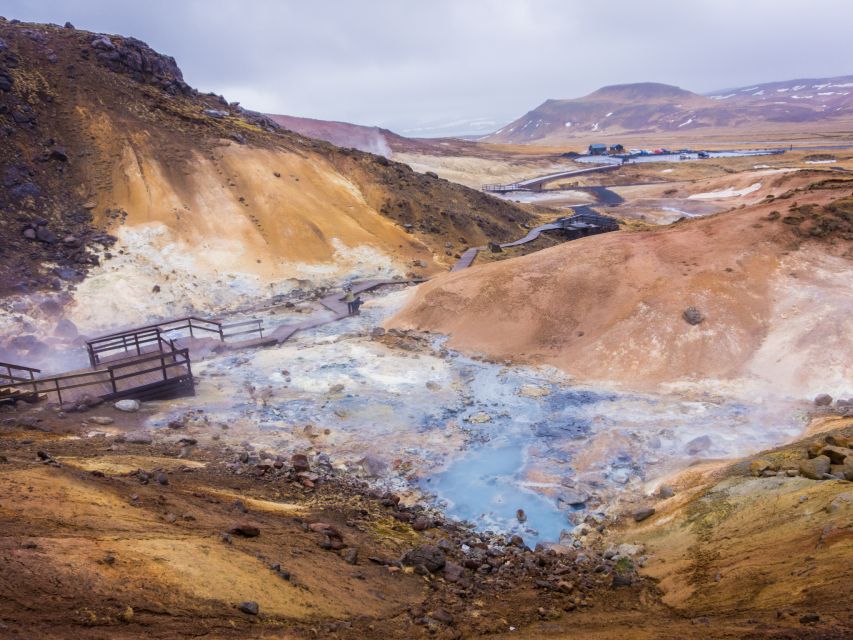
[428, 556]
[641, 514]
[43, 234]
[135, 58]
[350, 556]
[692, 315]
[250, 606]
[25, 190]
[245, 529]
[6, 81]
[698, 445]
[299, 461]
[823, 400]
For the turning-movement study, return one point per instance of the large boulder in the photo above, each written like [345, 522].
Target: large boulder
[698, 445]
[823, 400]
[847, 468]
[427, 556]
[815, 468]
[65, 328]
[836, 455]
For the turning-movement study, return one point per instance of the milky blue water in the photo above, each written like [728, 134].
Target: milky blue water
[467, 434]
[483, 486]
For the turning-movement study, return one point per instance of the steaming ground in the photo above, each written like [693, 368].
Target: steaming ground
[481, 439]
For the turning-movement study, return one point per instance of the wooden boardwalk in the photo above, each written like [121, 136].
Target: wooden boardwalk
[536, 184]
[142, 363]
[153, 374]
[336, 303]
[582, 213]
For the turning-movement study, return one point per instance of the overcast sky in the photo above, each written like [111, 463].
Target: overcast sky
[412, 65]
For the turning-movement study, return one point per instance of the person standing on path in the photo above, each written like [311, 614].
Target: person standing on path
[350, 299]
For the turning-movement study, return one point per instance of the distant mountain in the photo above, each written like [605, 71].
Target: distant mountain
[651, 107]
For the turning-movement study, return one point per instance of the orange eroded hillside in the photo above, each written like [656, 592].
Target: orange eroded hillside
[609, 307]
[141, 184]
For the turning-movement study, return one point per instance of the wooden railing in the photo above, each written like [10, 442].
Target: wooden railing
[11, 380]
[593, 219]
[107, 382]
[11, 377]
[137, 339]
[501, 188]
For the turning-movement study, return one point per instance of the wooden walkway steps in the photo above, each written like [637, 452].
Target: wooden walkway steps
[584, 222]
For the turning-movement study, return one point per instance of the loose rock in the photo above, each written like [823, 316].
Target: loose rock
[128, 405]
[692, 316]
[641, 514]
[251, 607]
[245, 529]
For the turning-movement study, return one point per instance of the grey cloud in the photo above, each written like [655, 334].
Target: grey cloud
[405, 64]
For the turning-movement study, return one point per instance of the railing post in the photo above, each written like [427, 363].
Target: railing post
[113, 380]
[190, 324]
[136, 339]
[163, 366]
[58, 392]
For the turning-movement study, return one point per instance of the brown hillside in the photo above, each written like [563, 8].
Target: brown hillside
[103, 138]
[771, 280]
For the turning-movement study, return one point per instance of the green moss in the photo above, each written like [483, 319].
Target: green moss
[395, 530]
[623, 566]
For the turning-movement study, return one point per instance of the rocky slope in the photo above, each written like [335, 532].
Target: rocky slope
[113, 167]
[650, 108]
[769, 283]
